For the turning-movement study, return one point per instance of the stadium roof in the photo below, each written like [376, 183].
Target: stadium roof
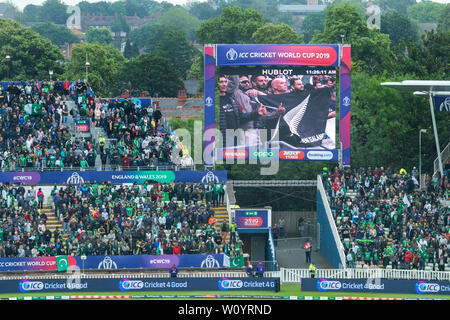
[424, 87]
[419, 85]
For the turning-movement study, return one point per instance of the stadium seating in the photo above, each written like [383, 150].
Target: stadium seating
[40, 132]
[385, 220]
[37, 118]
[106, 219]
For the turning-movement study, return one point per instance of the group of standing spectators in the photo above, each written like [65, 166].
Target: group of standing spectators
[136, 134]
[35, 131]
[390, 220]
[23, 226]
[33, 125]
[161, 218]
[106, 219]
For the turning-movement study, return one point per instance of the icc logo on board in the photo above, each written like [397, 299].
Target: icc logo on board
[107, 263]
[208, 101]
[26, 285]
[127, 284]
[210, 177]
[210, 262]
[445, 105]
[75, 178]
[226, 284]
[325, 285]
[346, 101]
[426, 287]
[231, 54]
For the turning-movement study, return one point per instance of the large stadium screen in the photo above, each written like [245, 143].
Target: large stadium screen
[277, 101]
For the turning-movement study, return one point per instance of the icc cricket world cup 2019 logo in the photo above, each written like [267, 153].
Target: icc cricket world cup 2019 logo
[210, 177]
[210, 262]
[231, 54]
[107, 263]
[75, 178]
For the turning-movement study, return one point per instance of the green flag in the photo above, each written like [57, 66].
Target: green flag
[422, 251]
[62, 263]
[36, 109]
[237, 262]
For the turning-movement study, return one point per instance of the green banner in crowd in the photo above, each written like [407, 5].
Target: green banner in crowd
[365, 240]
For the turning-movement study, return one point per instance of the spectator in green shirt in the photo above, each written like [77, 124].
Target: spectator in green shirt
[84, 163]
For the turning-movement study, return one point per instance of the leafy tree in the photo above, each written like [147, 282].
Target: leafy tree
[97, 8]
[175, 41]
[313, 22]
[197, 71]
[141, 8]
[131, 50]
[295, 2]
[149, 36]
[120, 24]
[53, 11]
[234, 25]
[444, 19]
[117, 7]
[409, 59]
[99, 35]
[427, 58]
[398, 26]
[435, 52]
[105, 64]
[370, 47]
[281, 33]
[151, 73]
[268, 8]
[58, 35]
[357, 4]
[12, 11]
[202, 10]
[385, 123]
[30, 13]
[31, 54]
[133, 7]
[400, 5]
[180, 18]
[425, 11]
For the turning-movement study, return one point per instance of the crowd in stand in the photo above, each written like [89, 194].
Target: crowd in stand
[138, 136]
[106, 219]
[390, 221]
[35, 132]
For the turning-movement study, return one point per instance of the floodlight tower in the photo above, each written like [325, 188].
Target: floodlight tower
[428, 88]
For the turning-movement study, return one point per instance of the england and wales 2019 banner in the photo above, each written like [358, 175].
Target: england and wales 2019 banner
[77, 177]
[117, 262]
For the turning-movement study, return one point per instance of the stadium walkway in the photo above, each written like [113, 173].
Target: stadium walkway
[290, 254]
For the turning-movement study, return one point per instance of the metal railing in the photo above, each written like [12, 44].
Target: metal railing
[295, 275]
[287, 276]
[445, 155]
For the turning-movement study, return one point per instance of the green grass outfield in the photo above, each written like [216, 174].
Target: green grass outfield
[285, 291]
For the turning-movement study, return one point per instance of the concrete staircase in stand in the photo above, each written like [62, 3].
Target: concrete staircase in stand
[52, 220]
[221, 215]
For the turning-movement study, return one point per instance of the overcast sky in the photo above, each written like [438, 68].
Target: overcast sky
[23, 3]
